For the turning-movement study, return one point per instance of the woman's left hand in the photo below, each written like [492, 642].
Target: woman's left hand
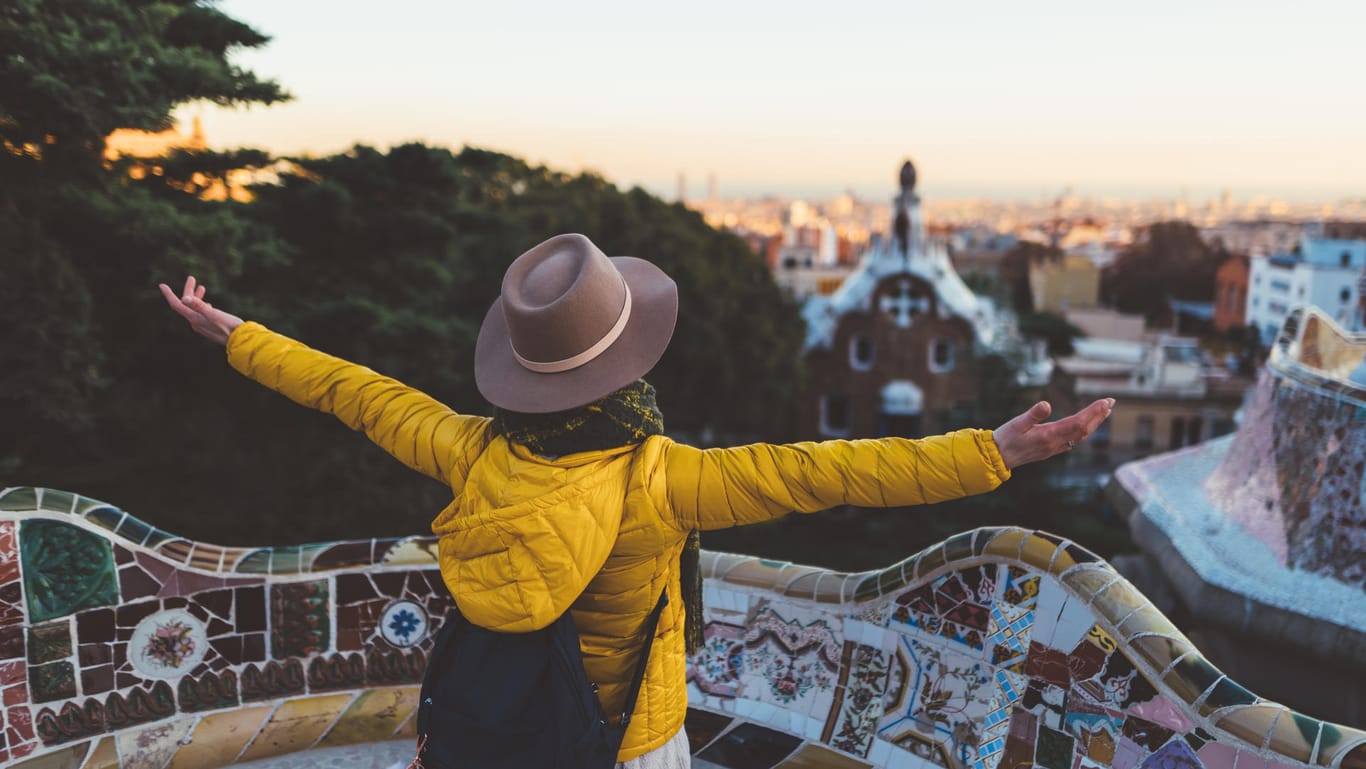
[1027, 438]
[207, 321]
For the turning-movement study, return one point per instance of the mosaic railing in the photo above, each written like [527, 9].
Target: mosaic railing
[122, 645]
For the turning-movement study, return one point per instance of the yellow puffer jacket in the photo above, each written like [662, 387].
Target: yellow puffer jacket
[600, 532]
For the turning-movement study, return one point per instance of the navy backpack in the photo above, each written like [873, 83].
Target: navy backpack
[492, 700]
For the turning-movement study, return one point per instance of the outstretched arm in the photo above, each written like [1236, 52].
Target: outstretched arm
[416, 429]
[719, 488]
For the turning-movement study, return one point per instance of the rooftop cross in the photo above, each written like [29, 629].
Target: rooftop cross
[903, 305]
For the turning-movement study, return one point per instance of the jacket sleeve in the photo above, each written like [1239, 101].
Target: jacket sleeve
[719, 488]
[416, 429]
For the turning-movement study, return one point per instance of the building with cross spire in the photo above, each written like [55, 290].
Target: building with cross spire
[896, 349]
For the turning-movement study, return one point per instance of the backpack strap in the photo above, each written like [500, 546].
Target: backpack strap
[650, 624]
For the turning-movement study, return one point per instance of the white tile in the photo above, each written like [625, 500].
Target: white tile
[814, 728]
[771, 714]
[711, 596]
[900, 759]
[746, 708]
[1052, 596]
[881, 752]
[1074, 622]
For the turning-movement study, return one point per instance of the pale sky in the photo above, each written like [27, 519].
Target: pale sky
[991, 97]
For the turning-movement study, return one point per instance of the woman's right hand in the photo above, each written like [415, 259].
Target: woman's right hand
[207, 321]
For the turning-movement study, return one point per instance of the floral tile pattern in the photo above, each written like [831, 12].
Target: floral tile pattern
[159, 652]
[792, 659]
[718, 664]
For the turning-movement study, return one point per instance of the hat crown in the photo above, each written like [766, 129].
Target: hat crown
[562, 298]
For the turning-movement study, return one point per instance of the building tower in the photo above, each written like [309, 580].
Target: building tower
[907, 228]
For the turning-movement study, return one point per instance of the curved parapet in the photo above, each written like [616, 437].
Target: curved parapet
[121, 645]
[1263, 532]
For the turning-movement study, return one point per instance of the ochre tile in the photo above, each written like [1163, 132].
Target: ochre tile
[296, 725]
[1118, 601]
[1161, 651]
[1147, 620]
[375, 716]
[1252, 723]
[1088, 580]
[409, 728]
[206, 557]
[1007, 544]
[753, 572]
[818, 757]
[220, 737]
[104, 756]
[418, 553]
[1037, 551]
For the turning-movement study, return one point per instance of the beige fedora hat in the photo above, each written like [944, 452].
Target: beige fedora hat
[572, 325]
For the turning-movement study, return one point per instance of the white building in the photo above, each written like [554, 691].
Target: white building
[1323, 272]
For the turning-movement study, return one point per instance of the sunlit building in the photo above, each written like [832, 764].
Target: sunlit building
[129, 142]
[1322, 272]
[1070, 282]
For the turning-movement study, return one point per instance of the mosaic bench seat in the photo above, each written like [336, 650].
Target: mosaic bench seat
[1001, 648]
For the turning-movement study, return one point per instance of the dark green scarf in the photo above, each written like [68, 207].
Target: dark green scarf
[624, 418]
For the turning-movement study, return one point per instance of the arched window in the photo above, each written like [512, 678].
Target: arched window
[835, 416]
[862, 352]
[941, 356]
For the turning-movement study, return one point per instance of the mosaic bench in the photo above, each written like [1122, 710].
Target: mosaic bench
[125, 646]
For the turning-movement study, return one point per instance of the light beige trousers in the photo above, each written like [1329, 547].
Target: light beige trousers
[673, 754]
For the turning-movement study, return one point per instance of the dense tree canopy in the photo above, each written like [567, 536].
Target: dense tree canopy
[390, 259]
[387, 258]
[72, 71]
[1169, 260]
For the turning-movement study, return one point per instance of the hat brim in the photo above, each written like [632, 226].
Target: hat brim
[508, 385]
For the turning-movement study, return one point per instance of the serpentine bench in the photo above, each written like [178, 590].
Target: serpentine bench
[125, 646]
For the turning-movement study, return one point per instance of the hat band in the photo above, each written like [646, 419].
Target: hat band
[558, 366]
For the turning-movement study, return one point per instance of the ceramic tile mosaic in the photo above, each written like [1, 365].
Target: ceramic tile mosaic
[1276, 512]
[792, 659]
[1014, 648]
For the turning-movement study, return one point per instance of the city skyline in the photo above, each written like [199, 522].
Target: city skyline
[988, 99]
